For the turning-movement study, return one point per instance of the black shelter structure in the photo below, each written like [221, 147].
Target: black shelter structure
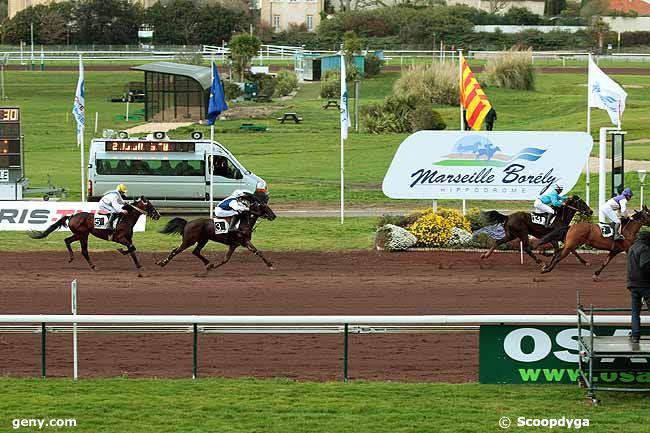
[175, 92]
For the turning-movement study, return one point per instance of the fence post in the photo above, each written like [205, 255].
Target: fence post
[43, 331]
[345, 353]
[194, 350]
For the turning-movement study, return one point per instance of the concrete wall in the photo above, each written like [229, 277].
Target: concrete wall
[620, 24]
[518, 29]
[536, 7]
[280, 13]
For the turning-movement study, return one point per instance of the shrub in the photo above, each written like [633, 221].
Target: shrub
[266, 84]
[400, 114]
[286, 82]
[400, 220]
[460, 238]
[437, 84]
[372, 65]
[511, 70]
[231, 90]
[436, 229]
[456, 217]
[394, 238]
[330, 87]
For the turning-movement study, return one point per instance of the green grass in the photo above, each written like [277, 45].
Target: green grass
[283, 234]
[224, 406]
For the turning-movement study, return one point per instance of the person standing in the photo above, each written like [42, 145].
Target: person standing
[490, 117]
[638, 280]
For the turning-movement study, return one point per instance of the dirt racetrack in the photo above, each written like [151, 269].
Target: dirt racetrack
[360, 282]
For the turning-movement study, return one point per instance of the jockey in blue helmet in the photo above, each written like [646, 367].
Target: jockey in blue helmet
[613, 206]
[552, 198]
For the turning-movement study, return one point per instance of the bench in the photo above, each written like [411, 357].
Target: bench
[331, 103]
[290, 116]
[251, 127]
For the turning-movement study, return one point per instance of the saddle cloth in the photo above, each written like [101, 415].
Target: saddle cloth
[606, 230]
[221, 226]
[540, 218]
[100, 221]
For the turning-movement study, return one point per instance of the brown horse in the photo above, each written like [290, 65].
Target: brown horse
[519, 226]
[200, 231]
[82, 225]
[585, 233]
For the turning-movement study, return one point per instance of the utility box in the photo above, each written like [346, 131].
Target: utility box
[618, 157]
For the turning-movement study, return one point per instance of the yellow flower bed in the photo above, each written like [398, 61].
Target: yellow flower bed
[434, 229]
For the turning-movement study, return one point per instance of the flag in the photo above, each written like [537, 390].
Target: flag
[345, 114]
[472, 97]
[78, 109]
[605, 93]
[217, 103]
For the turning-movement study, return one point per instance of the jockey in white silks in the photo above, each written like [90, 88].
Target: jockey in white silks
[113, 202]
[614, 205]
[232, 206]
[551, 198]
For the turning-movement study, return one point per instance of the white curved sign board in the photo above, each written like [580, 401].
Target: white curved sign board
[486, 165]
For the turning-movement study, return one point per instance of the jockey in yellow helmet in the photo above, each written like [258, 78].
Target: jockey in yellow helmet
[113, 202]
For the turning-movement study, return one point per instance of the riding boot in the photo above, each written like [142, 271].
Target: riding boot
[617, 232]
[547, 223]
[233, 223]
[111, 221]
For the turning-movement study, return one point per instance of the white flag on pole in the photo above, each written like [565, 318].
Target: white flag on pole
[345, 114]
[78, 109]
[606, 93]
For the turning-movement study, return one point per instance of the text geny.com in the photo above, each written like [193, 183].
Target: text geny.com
[40, 423]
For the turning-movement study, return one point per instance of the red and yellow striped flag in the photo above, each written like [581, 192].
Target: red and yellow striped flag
[472, 97]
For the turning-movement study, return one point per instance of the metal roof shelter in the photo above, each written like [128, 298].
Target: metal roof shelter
[175, 92]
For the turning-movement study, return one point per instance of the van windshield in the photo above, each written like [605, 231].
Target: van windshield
[149, 167]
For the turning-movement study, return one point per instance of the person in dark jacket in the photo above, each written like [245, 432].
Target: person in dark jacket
[638, 279]
[490, 117]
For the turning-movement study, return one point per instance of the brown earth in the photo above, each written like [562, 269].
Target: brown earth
[350, 283]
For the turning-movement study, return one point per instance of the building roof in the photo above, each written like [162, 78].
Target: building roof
[642, 7]
[201, 74]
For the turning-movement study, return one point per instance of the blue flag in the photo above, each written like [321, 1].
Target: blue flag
[78, 109]
[217, 103]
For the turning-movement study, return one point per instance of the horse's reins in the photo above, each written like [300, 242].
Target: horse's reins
[143, 212]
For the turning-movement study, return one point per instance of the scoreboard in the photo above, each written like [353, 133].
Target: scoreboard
[11, 154]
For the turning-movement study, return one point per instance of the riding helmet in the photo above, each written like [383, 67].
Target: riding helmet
[627, 192]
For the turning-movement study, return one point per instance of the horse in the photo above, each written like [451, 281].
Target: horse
[200, 231]
[82, 225]
[586, 233]
[519, 226]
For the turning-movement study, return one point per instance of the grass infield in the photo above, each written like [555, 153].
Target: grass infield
[284, 406]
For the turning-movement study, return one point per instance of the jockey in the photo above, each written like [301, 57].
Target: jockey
[552, 198]
[113, 202]
[233, 206]
[613, 206]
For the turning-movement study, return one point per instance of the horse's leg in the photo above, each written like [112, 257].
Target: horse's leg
[558, 257]
[226, 258]
[258, 253]
[176, 251]
[138, 266]
[528, 249]
[610, 256]
[580, 258]
[84, 251]
[69, 240]
[197, 252]
[494, 246]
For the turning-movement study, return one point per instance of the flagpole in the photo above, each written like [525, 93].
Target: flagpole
[342, 142]
[460, 88]
[211, 164]
[588, 179]
[80, 141]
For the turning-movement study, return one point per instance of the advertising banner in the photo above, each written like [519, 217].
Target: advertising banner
[486, 165]
[39, 215]
[549, 354]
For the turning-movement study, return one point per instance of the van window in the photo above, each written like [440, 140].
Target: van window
[225, 168]
[134, 167]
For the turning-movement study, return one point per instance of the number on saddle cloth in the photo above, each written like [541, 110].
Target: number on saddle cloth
[221, 226]
[540, 218]
[100, 221]
[606, 230]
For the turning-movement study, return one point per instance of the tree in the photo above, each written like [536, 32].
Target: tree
[243, 48]
[554, 7]
[107, 21]
[597, 31]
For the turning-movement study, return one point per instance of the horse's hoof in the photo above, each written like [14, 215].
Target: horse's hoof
[544, 270]
[596, 278]
[70, 260]
[161, 264]
[271, 268]
[92, 267]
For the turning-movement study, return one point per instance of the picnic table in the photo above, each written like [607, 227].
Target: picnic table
[251, 127]
[290, 116]
[331, 103]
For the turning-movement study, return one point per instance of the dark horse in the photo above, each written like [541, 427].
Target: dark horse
[585, 233]
[200, 231]
[519, 226]
[82, 225]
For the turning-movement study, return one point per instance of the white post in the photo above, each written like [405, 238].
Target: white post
[464, 206]
[521, 252]
[588, 180]
[126, 117]
[96, 121]
[460, 80]
[211, 162]
[602, 156]
[75, 360]
[343, 77]
[83, 163]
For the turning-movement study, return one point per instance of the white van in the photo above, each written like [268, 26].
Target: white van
[171, 173]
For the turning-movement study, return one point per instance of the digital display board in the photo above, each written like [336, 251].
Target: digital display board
[9, 145]
[10, 115]
[10, 122]
[149, 146]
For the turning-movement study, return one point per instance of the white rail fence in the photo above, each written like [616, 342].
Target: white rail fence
[199, 324]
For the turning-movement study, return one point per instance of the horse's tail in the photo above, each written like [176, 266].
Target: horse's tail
[494, 217]
[174, 226]
[35, 234]
[556, 235]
